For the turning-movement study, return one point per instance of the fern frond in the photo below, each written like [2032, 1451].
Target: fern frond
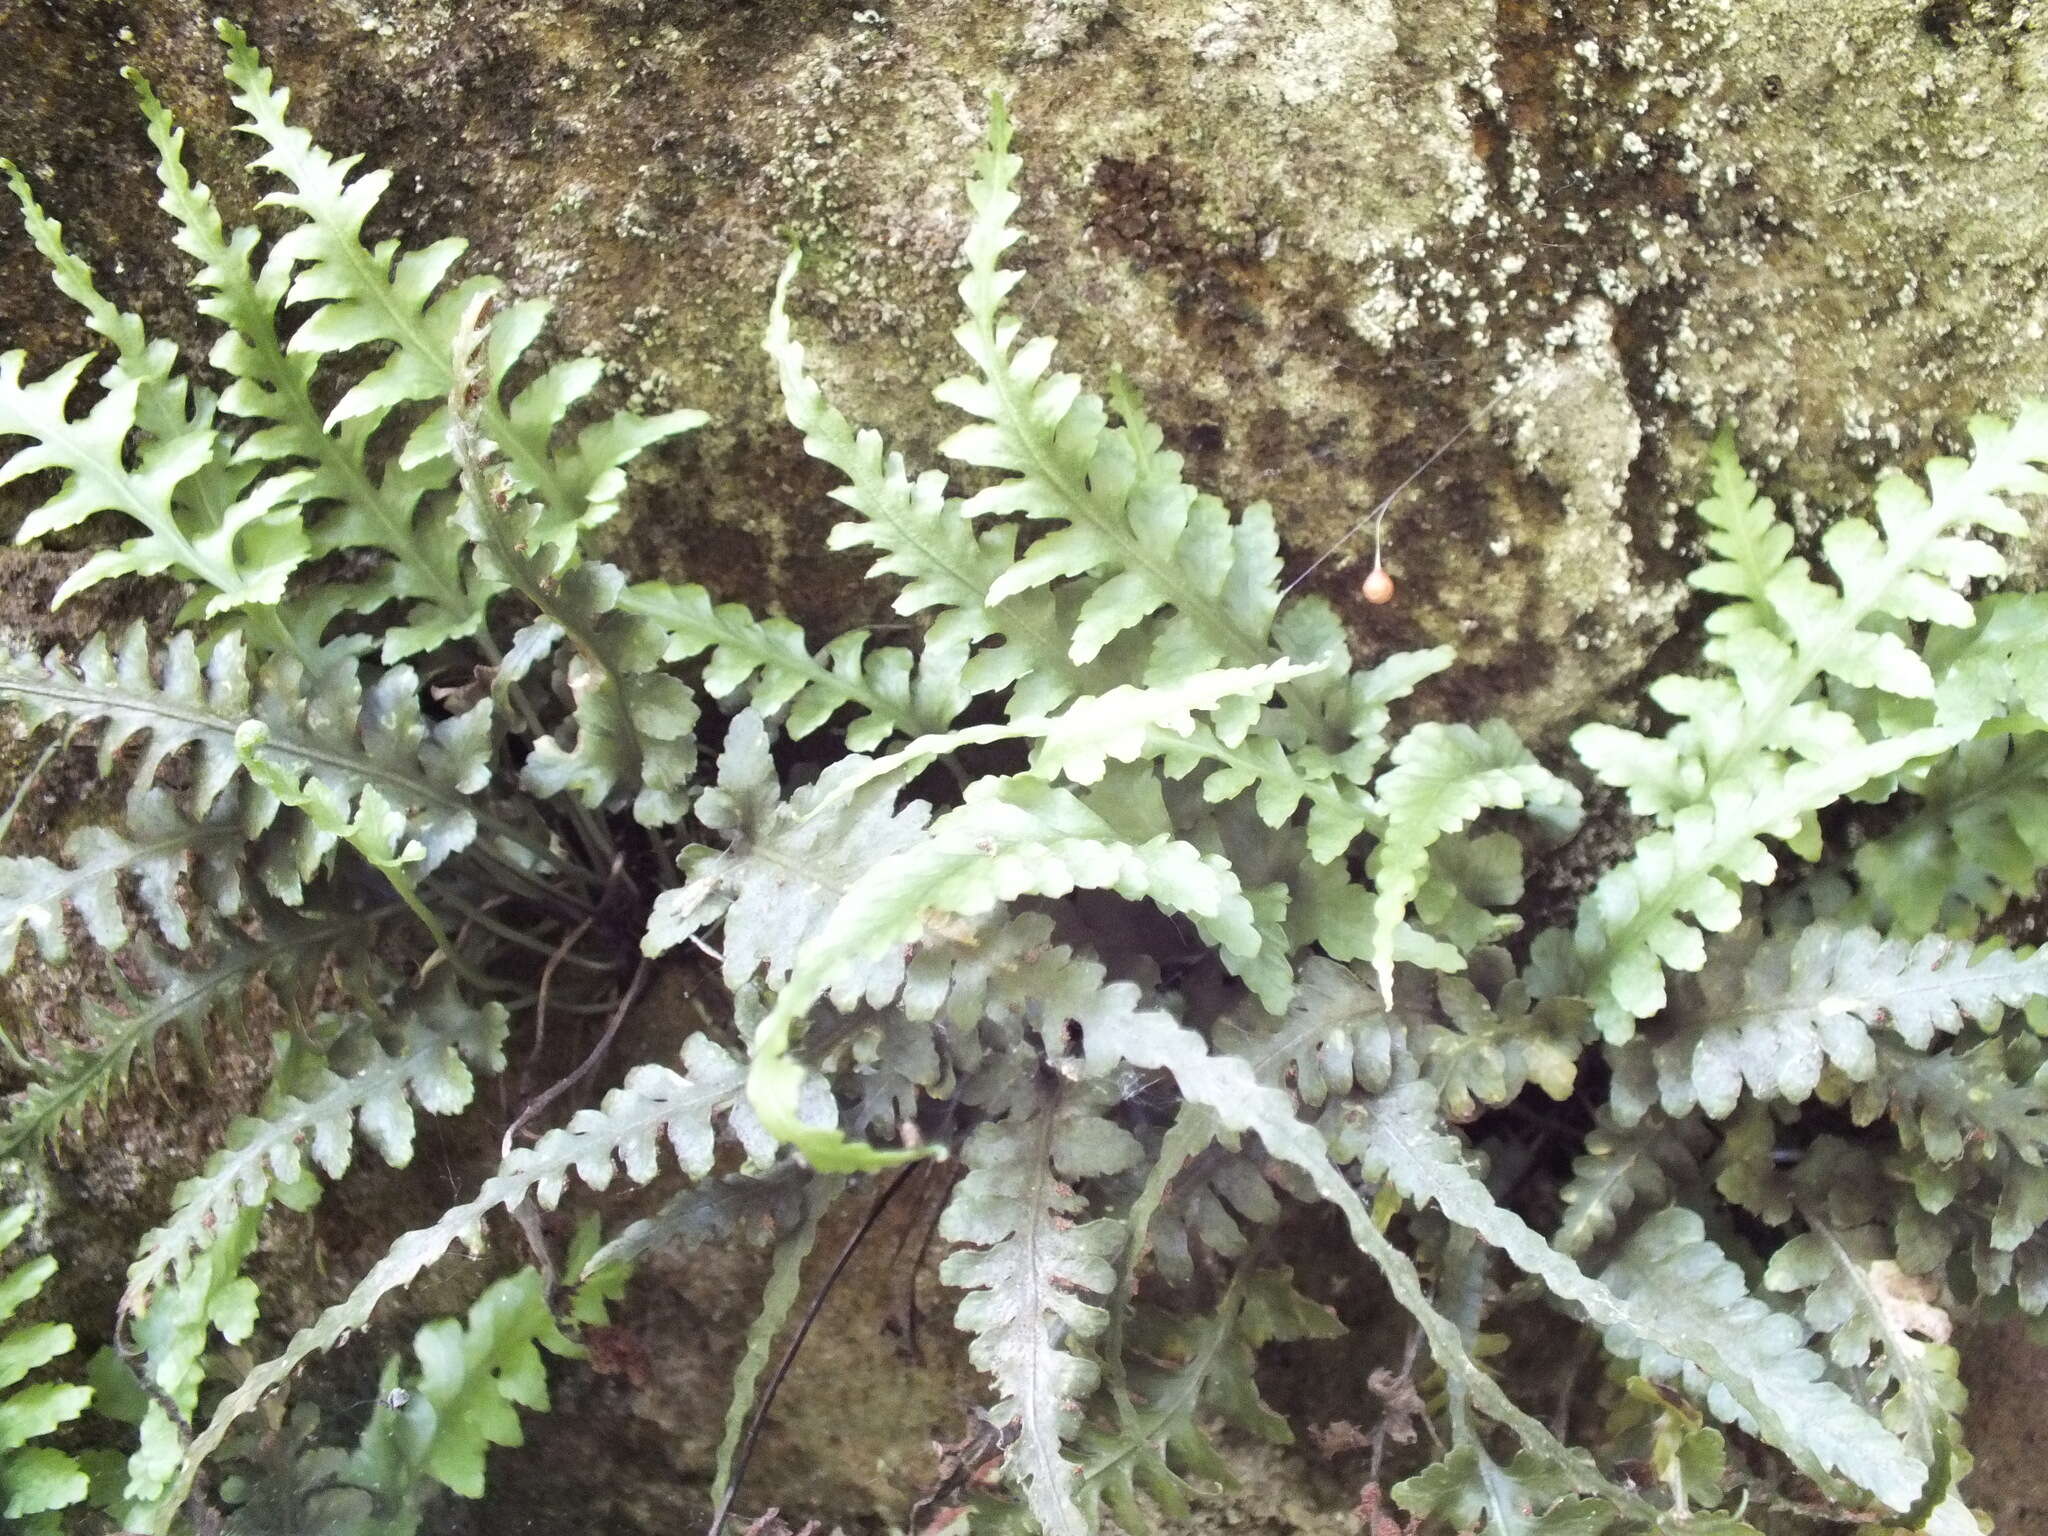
[378, 296]
[1125, 513]
[1186, 1370]
[1029, 1266]
[355, 502]
[1978, 839]
[767, 663]
[920, 537]
[655, 1105]
[162, 994]
[1647, 913]
[1124, 725]
[1769, 1016]
[1646, 1165]
[206, 518]
[1788, 632]
[787, 865]
[35, 1480]
[329, 725]
[214, 1296]
[778, 1300]
[1443, 777]
[1011, 837]
[100, 866]
[319, 1102]
[1876, 1323]
[475, 1374]
[1476, 1040]
[630, 737]
[1670, 1300]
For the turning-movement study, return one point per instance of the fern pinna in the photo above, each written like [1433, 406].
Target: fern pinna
[1118, 887]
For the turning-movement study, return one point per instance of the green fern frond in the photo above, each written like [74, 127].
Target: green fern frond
[1978, 839]
[213, 1297]
[787, 865]
[767, 664]
[206, 519]
[655, 1105]
[331, 726]
[920, 537]
[35, 1480]
[1185, 1371]
[1476, 1040]
[1647, 913]
[319, 1102]
[778, 1300]
[1028, 1267]
[1643, 1166]
[1769, 1016]
[1787, 632]
[1443, 777]
[1876, 1322]
[475, 1374]
[1124, 511]
[1670, 1301]
[360, 504]
[378, 296]
[631, 735]
[162, 994]
[100, 866]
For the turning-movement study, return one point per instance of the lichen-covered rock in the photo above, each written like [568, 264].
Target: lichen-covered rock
[1322, 236]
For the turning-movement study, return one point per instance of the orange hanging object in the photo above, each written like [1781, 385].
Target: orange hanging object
[1378, 586]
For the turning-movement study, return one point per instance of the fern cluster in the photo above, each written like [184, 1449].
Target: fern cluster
[1117, 899]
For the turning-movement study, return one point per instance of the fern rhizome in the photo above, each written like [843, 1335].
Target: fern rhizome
[1117, 906]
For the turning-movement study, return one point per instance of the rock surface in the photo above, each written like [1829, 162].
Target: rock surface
[1320, 235]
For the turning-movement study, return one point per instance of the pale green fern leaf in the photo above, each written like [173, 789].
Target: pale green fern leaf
[630, 737]
[35, 1480]
[100, 865]
[1788, 632]
[207, 519]
[1877, 1322]
[1121, 726]
[1028, 1266]
[786, 866]
[354, 502]
[1477, 1040]
[1644, 1166]
[1442, 778]
[767, 663]
[475, 1374]
[214, 1296]
[365, 295]
[1011, 837]
[1694, 1320]
[319, 1102]
[1185, 1371]
[1767, 1017]
[655, 1106]
[327, 725]
[161, 995]
[1647, 913]
[1126, 514]
[921, 538]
